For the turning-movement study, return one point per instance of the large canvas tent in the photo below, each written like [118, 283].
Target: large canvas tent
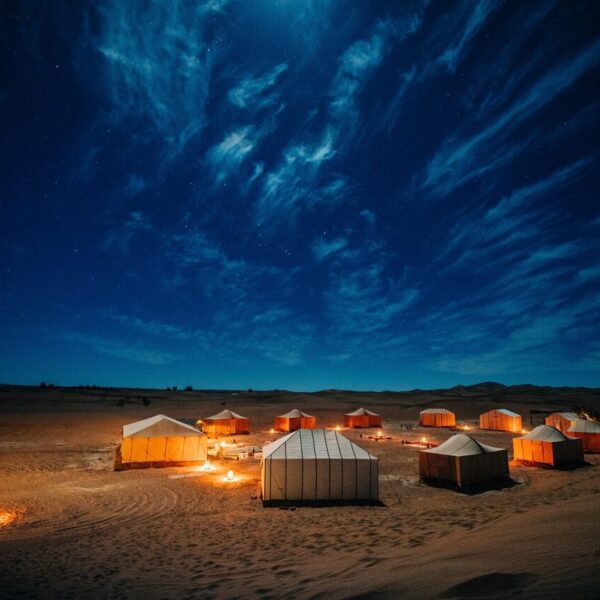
[501, 419]
[318, 466]
[547, 445]
[461, 460]
[225, 423]
[161, 440]
[562, 420]
[437, 417]
[588, 432]
[362, 418]
[295, 419]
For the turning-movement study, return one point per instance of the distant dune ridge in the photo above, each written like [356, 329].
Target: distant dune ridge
[72, 527]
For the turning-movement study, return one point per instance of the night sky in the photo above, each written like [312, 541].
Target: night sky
[300, 194]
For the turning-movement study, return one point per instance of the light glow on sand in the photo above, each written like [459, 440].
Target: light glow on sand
[271, 430]
[337, 427]
[379, 434]
[7, 517]
[206, 466]
[230, 476]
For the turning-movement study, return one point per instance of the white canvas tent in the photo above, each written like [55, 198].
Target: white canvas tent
[161, 439]
[316, 465]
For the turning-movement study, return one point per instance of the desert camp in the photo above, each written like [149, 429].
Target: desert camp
[225, 422]
[318, 466]
[362, 418]
[562, 420]
[463, 461]
[588, 432]
[546, 445]
[161, 441]
[501, 419]
[295, 419]
[437, 417]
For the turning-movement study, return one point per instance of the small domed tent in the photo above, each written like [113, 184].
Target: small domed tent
[562, 420]
[317, 466]
[501, 419]
[362, 418]
[588, 432]
[225, 423]
[162, 441]
[463, 461]
[295, 419]
[547, 445]
[437, 417]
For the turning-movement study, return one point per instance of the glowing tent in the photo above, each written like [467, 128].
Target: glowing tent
[547, 445]
[463, 461]
[362, 418]
[295, 419]
[160, 440]
[562, 420]
[318, 466]
[588, 432]
[501, 419]
[225, 423]
[437, 417]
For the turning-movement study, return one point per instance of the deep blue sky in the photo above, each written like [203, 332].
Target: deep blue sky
[300, 194]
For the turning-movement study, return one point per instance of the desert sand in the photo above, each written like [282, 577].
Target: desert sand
[72, 527]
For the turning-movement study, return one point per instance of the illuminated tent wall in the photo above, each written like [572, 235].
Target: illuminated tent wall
[588, 432]
[437, 417]
[463, 461]
[362, 418]
[562, 420]
[318, 466]
[225, 423]
[295, 419]
[547, 445]
[161, 439]
[501, 420]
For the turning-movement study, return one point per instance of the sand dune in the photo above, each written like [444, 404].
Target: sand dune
[79, 529]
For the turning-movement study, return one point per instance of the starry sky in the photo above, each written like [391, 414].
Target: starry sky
[300, 194]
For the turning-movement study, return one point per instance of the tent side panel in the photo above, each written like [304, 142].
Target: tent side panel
[156, 449]
[293, 477]
[307, 423]
[276, 480]
[322, 477]
[374, 479]
[174, 450]
[363, 479]
[126, 450]
[309, 479]
[139, 449]
[336, 479]
[349, 474]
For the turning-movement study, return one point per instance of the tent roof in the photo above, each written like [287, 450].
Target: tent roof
[567, 415]
[504, 411]
[224, 414]
[546, 433]
[295, 413]
[462, 445]
[585, 426]
[436, 410]
[159, 426]
[360, 412]
[314, 443]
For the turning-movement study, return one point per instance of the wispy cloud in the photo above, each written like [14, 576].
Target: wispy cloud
[119, 349]
[322, 248]
[122, 236]
[250, 91]
[477, 16]
[458, 163]
[158, 68]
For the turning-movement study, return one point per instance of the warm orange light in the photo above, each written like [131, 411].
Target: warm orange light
[7, 517]
[337, 427]
[379, 434]
[230, 475]
[424, 439]
[271, 430]
[467, 428]
[524, 431]
[207, 466]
